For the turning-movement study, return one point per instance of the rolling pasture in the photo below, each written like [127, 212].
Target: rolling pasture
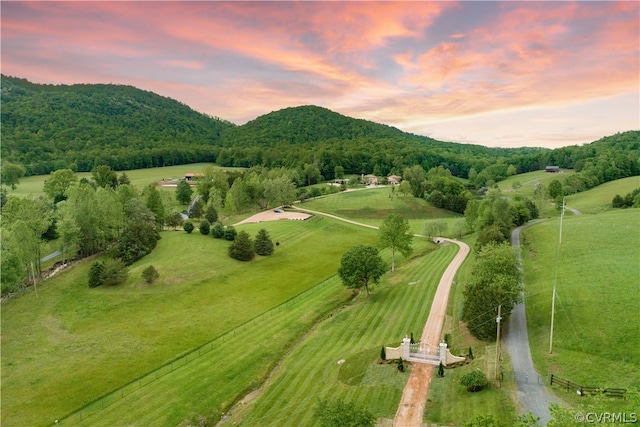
[529, 180]
[371, 206]
[72, 345]
[596, 272]
[599, 199]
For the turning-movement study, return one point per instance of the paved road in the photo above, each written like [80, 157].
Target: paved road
[531, 391]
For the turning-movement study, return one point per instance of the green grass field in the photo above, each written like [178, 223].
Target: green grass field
[73, 344]
[596, 271]
[371, 206]
[529, 180]
[599, 199]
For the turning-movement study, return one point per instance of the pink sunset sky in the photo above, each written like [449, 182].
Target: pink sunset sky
[505, 74]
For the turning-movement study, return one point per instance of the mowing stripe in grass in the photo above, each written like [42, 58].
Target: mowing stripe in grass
[312, 370]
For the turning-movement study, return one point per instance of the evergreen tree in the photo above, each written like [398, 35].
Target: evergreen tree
[95, 274]
[196, 209]
[383, 353]
[205, 227]
[188, 227]
[264, 245]
[211, 214]
[150, 274]
[183, 192]
[230, 233]
[217, 230]
[242, 247]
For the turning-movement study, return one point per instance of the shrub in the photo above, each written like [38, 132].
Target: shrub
[205, 227]
[441, 370]
[383, 353]
[217, 230]
[400, 365]
[188, 227]
[230, 233]
[474, 381]
[211, 214]
[338, 413]
[115, 272]
[470, 354]
[150, 274]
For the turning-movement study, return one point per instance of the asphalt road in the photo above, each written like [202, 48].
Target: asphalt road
[531, 389]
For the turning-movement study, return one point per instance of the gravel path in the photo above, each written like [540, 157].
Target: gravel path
[531, 390]
[414, 396]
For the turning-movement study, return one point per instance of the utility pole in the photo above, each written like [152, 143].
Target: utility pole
[553, 299]
[498, 319]
[553, 310]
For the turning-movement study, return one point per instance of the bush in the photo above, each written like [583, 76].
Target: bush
[115, 272]
[150, 274]
[230, 233]
[338, 413]
[242, 247]
[217, 230]
[111, 272]
[400, 365]
[383, 354]
[188, 227]
[474, 381]
[205, 227]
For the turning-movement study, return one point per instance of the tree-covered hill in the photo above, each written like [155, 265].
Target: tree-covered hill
[48, 127]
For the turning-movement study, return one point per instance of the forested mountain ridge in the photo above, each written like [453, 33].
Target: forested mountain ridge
[49, 127]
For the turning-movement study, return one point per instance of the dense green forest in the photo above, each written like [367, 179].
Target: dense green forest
[50, 127]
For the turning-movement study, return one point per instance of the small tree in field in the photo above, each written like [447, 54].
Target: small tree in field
[360, 266]
[211, 214]
[174, 220]
[217, 230]
[264, 245]
[188, 227]
[95, 274]
[242, 247]
[150, 274]
[396, 234]
[474, 381]
[115, 272]
[183, 192]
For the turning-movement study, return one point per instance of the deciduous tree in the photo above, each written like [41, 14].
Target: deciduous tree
[11, 174]
[58, 183]
[360, 266]
[396, 234]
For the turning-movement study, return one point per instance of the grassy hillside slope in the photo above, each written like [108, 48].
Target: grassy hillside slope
[72, 344]
[596, 272]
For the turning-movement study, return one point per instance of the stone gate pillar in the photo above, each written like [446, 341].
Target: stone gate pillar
[443, 353]
[406, 348]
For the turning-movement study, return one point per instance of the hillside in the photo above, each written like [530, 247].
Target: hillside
[48, 127]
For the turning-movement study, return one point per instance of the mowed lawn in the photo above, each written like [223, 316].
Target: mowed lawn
[596, 270]
[71, 344]
[338, 358]
[372, 205]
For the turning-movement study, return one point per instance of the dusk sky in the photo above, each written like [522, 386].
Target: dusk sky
[506, 74]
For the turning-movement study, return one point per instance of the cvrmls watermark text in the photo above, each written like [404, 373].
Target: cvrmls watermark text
[607, 417]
